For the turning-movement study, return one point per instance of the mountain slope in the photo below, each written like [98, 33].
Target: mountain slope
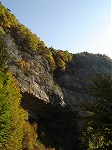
[53, 83]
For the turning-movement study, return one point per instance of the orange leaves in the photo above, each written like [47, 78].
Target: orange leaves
[24, 64]
[62, 58]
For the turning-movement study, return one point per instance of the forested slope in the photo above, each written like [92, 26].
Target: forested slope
[51, 98]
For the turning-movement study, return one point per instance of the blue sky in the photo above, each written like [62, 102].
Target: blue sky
[73, 25]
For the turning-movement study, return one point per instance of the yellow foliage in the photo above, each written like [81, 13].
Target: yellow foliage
[50, 59]
[24, 64]
[6, 19]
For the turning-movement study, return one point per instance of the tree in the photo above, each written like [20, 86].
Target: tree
[3, 52]
[7, 20]
[98, 131]
[62, 58]
[10, 115]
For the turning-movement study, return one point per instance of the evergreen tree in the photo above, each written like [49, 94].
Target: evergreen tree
[98, 131]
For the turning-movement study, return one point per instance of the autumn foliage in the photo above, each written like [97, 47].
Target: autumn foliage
[26, 40]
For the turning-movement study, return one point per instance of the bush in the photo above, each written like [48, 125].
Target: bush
[3, 52]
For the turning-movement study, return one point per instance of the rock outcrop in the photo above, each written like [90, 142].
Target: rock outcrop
[53, 83]
[76, 81]
[33, 74]
[53, 101]
[69, 87]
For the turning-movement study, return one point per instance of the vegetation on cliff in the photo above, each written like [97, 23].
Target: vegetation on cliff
[26, 40]
[15, 131]
[98, 128]
[59, 125]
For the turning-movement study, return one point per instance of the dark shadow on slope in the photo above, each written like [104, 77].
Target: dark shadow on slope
[57, 126]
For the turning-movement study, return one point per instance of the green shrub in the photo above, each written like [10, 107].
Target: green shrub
[3, 52]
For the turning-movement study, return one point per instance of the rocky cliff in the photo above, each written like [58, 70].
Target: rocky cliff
[68, 87]
[75, 82]
[53, 83]
[54, 100]
[33, 74]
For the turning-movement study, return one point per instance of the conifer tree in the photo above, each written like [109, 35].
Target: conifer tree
[98, 131]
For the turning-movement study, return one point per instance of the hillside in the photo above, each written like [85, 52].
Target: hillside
[50, 85]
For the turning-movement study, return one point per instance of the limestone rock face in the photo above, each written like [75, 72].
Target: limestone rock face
[44, 94]
[33, 74]
[70, 87]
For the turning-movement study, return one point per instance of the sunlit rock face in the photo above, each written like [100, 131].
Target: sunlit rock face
[69, 87]
[53, 101]
[33, 74]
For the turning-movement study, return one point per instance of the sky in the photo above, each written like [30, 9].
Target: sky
[73, 25]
